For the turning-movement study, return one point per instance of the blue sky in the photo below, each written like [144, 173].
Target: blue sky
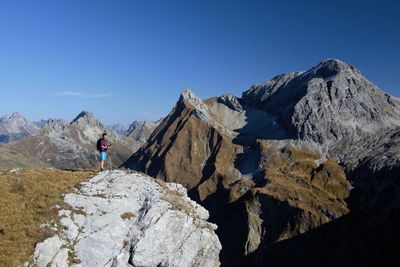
[127, 60]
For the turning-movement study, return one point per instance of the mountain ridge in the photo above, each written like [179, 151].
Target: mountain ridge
[284, 159]
[68, 145]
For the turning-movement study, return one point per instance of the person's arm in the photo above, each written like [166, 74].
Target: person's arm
[104, 145]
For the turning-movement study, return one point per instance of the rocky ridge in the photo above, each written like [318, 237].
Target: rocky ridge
[121, 219]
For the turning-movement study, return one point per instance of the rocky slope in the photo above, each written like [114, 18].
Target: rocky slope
[290, 156]
[120, 219]
[15, 127]
[67, 145]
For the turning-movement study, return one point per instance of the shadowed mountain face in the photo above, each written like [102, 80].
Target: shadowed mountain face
[67, 145]
[303, 154]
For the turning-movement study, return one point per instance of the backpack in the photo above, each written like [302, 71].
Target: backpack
[98, 145]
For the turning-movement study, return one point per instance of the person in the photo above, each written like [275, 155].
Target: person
[103, 146]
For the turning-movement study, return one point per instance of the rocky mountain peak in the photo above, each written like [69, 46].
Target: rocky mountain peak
[188, 95]
[330, 67]
[16, 115]
[13, 117]
[55, 124]
[231, 101]
[83, 114]
[86, 117]
[201, 109]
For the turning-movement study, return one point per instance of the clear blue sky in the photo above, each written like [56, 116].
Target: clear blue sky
[126, 60]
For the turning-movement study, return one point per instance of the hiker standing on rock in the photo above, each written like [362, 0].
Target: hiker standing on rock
[103, 146]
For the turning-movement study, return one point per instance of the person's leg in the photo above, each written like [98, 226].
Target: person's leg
[102, 158]
[101, 161]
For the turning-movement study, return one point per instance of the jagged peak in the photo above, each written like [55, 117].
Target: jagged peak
[13, 116]
[187, 96]
[16, 115]
[51, 121]
[334, 62]
[85, 116]
[231, 101]
[55, 124]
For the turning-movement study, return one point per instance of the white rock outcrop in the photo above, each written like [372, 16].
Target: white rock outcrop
[129, 219]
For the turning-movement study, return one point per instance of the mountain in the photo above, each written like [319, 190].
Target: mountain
[120, 128]
[331, 104]
[305, 156]
[42, 122]
[15, 127]
[122, 219]
[141, 130]
[138, 130]
[67, 145]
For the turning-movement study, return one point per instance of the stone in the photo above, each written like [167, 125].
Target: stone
[164, 227]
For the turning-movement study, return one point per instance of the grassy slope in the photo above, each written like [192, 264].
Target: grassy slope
[26, 198]
[12, 158]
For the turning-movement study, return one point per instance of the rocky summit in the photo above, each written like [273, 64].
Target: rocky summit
[122, 219]
[306, 156]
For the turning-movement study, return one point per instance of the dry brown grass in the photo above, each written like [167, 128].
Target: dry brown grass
[294, 177]
[26, 201]
[127, 215]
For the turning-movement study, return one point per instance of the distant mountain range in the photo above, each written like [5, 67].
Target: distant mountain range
[120, 128]
[141, 130]
[61, 144]
[300, 171]
[138, 130]
[15, 127]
